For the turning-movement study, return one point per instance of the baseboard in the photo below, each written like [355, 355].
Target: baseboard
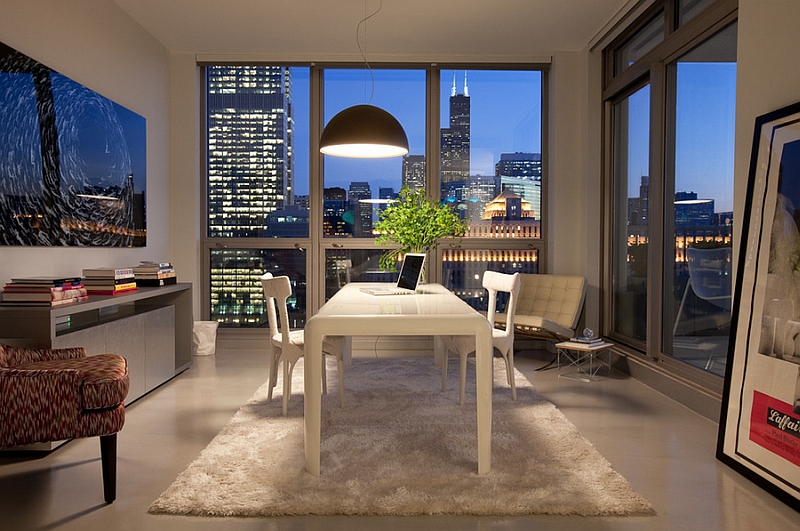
[700, 400]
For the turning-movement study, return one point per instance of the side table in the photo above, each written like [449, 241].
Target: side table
[583, 360]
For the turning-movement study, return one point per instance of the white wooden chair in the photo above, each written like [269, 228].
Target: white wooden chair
[289, 345]
[502, 339]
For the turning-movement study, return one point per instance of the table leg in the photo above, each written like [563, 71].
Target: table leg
[312, 401]
[483, 362]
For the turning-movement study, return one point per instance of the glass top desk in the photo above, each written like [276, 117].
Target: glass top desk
[433, 310]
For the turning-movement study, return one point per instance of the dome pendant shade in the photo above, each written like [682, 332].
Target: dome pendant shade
[363, 131]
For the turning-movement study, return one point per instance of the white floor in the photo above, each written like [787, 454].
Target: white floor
[662, 448]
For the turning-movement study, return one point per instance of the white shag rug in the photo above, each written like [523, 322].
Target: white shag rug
[400, 446]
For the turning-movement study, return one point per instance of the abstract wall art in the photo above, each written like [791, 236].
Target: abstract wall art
[72, 162]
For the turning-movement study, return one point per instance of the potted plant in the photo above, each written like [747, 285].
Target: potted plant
[416, 224]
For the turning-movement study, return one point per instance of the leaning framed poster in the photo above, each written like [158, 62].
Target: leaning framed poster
[759, 433]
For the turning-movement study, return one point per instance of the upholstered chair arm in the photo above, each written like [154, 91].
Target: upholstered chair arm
[38, 405]
[11, 356]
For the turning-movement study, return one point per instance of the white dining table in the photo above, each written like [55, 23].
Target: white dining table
[433, 310]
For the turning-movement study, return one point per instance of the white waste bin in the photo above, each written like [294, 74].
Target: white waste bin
[204, 338]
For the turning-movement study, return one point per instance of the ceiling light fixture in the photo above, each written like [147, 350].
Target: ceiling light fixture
[364, 131]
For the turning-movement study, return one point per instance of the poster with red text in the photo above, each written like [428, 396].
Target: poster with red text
[759, 432]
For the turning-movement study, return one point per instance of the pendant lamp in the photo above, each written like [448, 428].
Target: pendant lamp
[364, 131]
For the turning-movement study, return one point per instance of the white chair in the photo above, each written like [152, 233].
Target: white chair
[709, 278]
[502, 339]
[289, 345]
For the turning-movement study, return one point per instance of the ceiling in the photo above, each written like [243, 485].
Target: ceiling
[409, 29]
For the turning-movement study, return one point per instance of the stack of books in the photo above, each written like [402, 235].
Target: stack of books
[154, 274]
[109, 280]
[594, 340]
[44, 291]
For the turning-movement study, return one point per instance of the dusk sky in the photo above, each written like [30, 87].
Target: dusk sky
[510, 122]
[705, 133]
[505, 117]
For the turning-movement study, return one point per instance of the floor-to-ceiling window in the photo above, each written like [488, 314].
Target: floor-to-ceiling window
[670, 89]
[355, 189]
[698, 220]
[490, 171]
[257, 152]
[275, 205]
[631, 118]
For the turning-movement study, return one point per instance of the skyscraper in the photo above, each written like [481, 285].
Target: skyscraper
[455, 143]
[334, 209]
[249, 147]
[414, 171]
[362, 210]
[525, 165]
[249, 178]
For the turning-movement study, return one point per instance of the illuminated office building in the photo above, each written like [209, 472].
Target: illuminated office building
[249, 147]
[524, 165]
[333, 215]
[250, 179]
[359, 196]
[414, 171]
[455, 140]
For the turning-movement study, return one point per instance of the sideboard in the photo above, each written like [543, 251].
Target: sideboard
[151, 328]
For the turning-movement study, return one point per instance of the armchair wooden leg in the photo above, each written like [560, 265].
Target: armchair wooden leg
[108, 456]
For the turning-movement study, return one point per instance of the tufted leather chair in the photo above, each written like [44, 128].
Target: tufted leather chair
[549, 306]
[57, 394]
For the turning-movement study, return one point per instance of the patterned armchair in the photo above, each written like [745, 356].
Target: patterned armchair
[56, 394]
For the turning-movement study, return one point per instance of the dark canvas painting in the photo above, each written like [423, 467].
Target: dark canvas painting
[72, 162]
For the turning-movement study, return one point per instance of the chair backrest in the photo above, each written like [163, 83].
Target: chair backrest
[558, 298]
[277, 289]
[494, 282]
[711, 275]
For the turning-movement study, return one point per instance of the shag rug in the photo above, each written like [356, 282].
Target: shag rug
[400, 446]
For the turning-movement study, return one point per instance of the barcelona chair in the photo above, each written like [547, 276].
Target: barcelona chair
[289, 345]
[49, 395]
[502, 339]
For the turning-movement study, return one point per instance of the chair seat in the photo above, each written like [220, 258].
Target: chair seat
[105, 379]
[332, 345]
[532, 323]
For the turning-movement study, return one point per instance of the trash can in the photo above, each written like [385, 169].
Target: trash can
[204, 338]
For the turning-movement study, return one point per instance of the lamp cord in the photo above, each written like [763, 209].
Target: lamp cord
[363, 50]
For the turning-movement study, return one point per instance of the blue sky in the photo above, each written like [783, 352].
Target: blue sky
[704, 139]
[505, 117]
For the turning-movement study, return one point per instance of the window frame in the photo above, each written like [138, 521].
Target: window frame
[316, 245]
[652, 68]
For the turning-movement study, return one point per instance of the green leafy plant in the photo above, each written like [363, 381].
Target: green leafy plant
[416, 224]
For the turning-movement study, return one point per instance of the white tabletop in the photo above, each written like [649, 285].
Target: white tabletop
[433, 310]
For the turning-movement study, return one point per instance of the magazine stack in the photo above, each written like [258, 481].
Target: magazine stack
[44, 291]
[153, 274]
[109, 281]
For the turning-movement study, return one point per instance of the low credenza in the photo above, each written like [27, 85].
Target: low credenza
[151, 328]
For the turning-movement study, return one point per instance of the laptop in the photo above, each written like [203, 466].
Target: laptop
[410, 273]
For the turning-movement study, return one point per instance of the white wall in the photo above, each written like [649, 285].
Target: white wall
[574, 176]
[96, 44]
[768, 75]
[186, 183]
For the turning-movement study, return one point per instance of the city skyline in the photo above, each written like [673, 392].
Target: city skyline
[500, 125]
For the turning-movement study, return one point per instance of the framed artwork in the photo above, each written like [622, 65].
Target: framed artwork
[72, 162]
[759, 431]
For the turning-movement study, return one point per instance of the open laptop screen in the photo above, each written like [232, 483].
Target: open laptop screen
[411, 271]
